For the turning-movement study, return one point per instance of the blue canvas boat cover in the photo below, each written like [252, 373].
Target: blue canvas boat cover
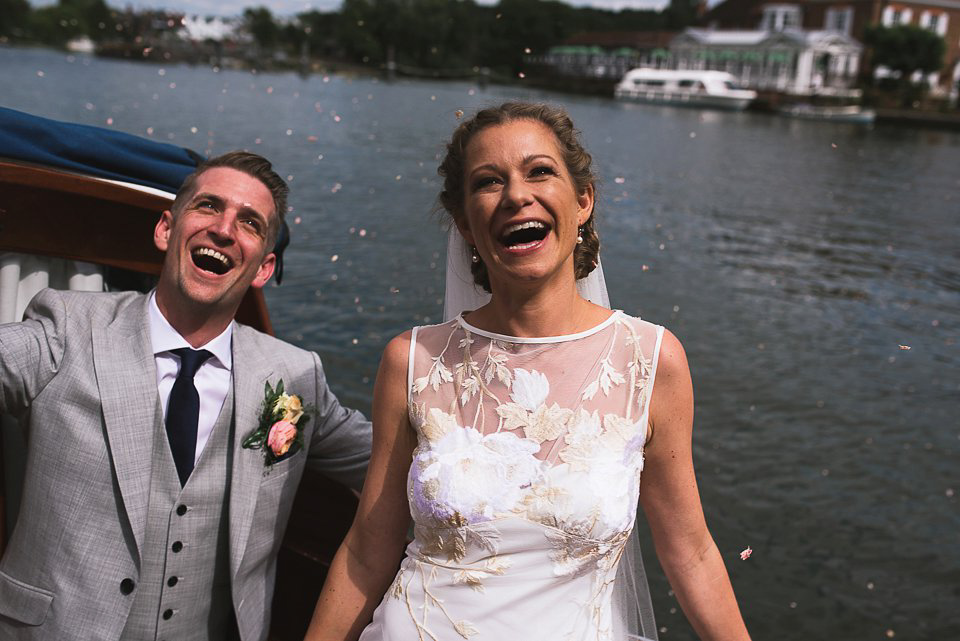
[94, 151]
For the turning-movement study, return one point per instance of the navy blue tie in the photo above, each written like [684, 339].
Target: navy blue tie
[183, 411]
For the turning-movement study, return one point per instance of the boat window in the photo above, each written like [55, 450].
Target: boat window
[650, 83]
[686, 84]
[731, 85]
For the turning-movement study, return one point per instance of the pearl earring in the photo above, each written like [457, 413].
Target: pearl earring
[473, 255]
[579, 235]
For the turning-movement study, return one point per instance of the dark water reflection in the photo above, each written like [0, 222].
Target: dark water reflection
[792, 258]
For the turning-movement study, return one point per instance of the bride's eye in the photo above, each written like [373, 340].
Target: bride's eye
[542, 170]
[484, 181]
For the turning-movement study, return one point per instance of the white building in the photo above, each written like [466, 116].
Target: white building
[779, 57]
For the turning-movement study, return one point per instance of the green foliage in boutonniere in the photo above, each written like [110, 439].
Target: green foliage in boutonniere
[280, 430]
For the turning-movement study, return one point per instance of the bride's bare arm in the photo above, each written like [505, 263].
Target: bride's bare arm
[370, 554]
[671, 501]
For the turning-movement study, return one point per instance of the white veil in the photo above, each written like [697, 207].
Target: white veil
[632, 608]
[462, 294]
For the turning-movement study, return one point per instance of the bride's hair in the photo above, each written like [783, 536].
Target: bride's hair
[576, 158]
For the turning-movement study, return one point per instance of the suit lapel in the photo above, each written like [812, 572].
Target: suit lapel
[249, 377]
[127, 378]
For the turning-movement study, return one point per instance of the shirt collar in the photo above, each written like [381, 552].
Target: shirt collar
[163, 336]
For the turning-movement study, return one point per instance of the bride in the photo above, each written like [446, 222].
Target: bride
[515, 434]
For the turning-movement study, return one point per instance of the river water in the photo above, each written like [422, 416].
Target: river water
[792, 258]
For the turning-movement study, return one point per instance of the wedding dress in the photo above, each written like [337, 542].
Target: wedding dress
[524, 483]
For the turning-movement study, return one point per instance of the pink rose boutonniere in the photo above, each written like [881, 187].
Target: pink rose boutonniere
[280, 431]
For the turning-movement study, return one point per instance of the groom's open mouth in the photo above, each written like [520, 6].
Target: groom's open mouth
[210, 260]
[526, 235]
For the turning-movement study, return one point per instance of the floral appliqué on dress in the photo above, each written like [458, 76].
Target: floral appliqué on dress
[526, 476]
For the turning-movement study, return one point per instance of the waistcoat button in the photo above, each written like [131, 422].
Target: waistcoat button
[167, 614]
[181, 510]
[172, 581]
[177, 546]
[127, 586]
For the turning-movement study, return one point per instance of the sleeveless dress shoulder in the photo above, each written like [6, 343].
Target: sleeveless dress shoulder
[524, 484]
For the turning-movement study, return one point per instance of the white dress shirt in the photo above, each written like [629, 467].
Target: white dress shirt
[212, 379]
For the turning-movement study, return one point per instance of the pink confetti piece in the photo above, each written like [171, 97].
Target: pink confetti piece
[904, 347]
[746, 553]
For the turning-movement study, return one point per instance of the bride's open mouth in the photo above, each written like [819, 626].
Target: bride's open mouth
[526, 235]
[210, 260]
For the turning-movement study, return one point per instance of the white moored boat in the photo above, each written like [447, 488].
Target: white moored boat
[713, 89]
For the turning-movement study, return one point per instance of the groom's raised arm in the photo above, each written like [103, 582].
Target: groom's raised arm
[340, 447]
[31, 352]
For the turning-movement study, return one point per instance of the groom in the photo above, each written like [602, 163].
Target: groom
[142, 516]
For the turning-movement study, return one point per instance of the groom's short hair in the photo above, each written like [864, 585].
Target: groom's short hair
[251, 164]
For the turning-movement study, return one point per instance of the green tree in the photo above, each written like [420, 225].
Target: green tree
[680, 14]
[906, 48]
[259, 22]
[93, 16]
[55, 25]
[14, 15]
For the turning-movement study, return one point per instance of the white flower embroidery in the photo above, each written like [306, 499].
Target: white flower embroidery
[473, 476]
[530, 389]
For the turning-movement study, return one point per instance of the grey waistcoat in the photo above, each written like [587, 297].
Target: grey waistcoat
[183, 592]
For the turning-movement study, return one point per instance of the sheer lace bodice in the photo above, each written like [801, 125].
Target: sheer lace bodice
[524, 484]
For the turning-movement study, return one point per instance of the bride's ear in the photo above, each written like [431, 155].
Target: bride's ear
[585, 203]
[464, 229]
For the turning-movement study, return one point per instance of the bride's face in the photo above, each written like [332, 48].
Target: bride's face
[521, 208]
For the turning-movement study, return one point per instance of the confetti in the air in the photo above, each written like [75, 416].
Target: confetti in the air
[904, 347]
[458, 113]
[746, 554]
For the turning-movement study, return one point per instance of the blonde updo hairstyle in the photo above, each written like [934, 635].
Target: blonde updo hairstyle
[575, 157]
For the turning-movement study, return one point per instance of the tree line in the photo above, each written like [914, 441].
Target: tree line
[424, 34]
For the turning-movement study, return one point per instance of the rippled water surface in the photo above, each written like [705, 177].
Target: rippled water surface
[793, 259]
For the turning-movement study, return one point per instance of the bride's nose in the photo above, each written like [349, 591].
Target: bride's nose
[516, 195]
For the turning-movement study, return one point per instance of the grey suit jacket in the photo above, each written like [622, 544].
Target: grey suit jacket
[79, 374]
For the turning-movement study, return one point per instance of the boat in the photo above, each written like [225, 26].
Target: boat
[690, 88]
[78, 205]
[835, 113]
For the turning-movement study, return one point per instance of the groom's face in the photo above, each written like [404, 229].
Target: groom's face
[217, 244]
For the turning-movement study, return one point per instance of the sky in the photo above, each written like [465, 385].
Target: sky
[290, 7]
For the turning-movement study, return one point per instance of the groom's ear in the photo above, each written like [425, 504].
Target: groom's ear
[161, 233]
